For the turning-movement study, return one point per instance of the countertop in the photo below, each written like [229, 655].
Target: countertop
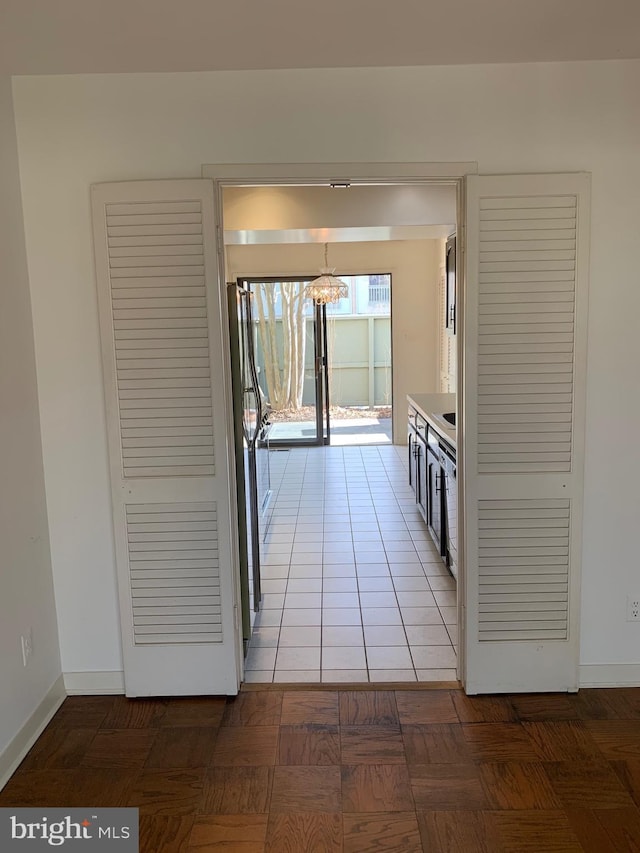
[429, 405]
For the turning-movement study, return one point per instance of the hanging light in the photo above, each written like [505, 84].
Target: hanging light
[326, 288]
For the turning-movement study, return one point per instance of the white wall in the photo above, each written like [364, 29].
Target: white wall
[414, 268]
[509, 118]
[26, 585]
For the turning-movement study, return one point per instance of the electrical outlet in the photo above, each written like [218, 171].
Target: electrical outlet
[633, 609]
[27, 646]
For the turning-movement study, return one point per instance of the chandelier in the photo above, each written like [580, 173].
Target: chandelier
[326, 288]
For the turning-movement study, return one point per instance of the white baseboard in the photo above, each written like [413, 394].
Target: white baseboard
[13, 754]
[93, 683]
[610, 675]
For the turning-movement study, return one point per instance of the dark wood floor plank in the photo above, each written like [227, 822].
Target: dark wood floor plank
[309, 744]
[517, 786]
[424, 707]
[168, 792]
[237, 790]
[499, 742]
[562, 741]
[306, 789]
[124, 748]
[587, 784]
[258, 708]
[629, 774]
[134, 713]
[616, 739]
[38, 788]
[483, 709]
[594, 704]
[309, 707]
[447, 787]
[371, 745]
[376, 788]
[164, 834]
[233, 833]
[544, 706]
[102, 787]
[250, 746]
[368, 708]
[533, 832]
[624, 701]
[310, 832]
[456, 832]
[199, 711]
[183, 747]
[382, 832]
[82, 712]
[607, 830]
[437, 744]
[58, 749]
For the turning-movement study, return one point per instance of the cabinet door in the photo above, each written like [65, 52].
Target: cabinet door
[434, 499]
[421, 478]
[411, 444]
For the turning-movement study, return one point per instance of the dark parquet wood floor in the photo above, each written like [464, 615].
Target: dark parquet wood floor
[281, 771]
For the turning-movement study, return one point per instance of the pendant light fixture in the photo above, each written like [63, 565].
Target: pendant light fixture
[326, 288]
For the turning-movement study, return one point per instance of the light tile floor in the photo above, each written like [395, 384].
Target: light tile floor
[353, 588]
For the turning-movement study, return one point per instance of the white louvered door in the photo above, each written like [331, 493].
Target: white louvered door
[525, 306]
[161, 331]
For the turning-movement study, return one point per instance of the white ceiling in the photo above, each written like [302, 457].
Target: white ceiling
[86, 36]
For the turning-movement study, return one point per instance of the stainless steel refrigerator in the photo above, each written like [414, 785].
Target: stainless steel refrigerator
[251, 418]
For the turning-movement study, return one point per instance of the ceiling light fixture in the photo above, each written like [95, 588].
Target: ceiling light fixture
[326, 288]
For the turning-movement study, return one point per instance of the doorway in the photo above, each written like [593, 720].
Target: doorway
[341, 522]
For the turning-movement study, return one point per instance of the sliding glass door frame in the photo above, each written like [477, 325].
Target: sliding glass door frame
[320, 362]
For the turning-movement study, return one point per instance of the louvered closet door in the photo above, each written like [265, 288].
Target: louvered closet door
[525, 363]
[160, 321]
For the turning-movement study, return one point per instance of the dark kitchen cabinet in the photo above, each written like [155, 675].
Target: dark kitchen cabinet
[417, 449]
[434, 479]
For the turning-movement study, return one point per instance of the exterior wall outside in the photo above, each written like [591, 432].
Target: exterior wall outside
[550, 117]
[26, 584]
[352, 367]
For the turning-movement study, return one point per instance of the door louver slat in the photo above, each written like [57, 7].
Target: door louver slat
[159, 310]
[527, 600]
[526, 313]
[174, 573]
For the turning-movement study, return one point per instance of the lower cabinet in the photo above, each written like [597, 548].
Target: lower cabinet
[432, 477]
[435, 505]
[417, 448]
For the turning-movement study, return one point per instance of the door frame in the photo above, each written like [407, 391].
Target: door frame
[362, 174]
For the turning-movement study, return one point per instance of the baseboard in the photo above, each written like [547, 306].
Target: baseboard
[11, 757]
[93, 683]
[610, 675]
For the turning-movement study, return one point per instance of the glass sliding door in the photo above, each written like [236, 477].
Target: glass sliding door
[291, 359]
